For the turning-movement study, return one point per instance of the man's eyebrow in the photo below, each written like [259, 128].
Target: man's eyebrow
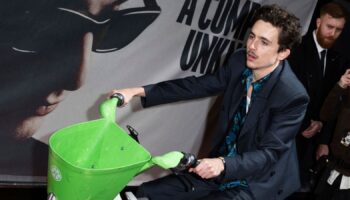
[330, 26]
[261, 37]
[265, 39]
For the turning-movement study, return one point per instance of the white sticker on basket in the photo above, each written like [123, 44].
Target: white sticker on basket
[56, 173]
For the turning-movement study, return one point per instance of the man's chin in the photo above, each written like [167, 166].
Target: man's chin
[28, 127]
[327, 44]
[250, 65]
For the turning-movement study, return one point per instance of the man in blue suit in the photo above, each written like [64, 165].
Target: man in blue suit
[253, 155]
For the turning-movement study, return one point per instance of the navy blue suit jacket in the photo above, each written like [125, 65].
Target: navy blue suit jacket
[266, 147]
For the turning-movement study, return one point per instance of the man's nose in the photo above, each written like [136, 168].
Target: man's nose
[77, 77]
[332, 32]
[251, 44]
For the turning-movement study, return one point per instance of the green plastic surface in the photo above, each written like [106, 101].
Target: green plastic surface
[96, 159]
[168, 160]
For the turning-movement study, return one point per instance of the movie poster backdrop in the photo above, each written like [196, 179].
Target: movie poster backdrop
[60, 58]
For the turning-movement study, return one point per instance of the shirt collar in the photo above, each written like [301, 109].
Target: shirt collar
[248, 73]
[247, 78]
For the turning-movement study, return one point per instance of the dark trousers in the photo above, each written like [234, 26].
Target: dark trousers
[306, 149]
[189, 187]
[324, 191]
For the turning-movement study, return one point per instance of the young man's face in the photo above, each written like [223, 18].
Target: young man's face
[35, 84]
[328, 30]
[39, 65]
[262, 47]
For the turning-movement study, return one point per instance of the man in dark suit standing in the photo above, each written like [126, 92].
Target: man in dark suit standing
[318, 67]
[262, 109]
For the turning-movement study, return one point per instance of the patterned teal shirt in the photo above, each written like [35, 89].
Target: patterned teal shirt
[229, 149]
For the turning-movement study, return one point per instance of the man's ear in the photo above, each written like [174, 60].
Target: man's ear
[283, 54]
[318, 22]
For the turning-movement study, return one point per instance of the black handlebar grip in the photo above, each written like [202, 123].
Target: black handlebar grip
[188, 161]
[120, 98]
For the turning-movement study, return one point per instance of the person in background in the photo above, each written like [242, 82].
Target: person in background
[318, 67]
[263, 106]
[335, 183]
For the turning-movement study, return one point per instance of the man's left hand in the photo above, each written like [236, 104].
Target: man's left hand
[208, 168]
[322, 150]
[314, 128]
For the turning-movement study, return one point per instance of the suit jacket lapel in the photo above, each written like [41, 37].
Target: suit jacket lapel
[331, 68]
[317, 68]
[236, 99]
[259, 102]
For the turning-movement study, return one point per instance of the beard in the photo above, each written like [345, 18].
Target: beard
[325, 42]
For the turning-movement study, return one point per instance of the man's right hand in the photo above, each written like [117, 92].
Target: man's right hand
[128, 93]
[344, 81]
[209, 168]
[314, 127]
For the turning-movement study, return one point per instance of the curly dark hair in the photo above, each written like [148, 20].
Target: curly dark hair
[289, 25]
